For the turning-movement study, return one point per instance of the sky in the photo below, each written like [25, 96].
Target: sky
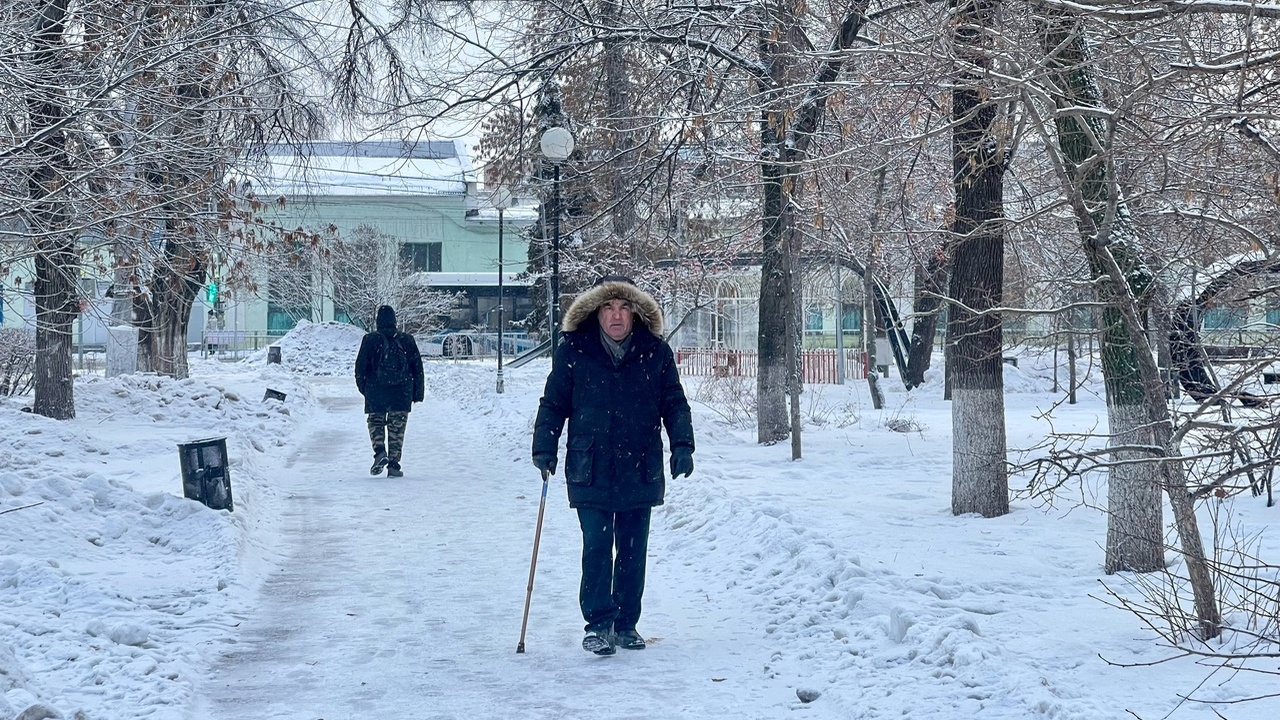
[836, 586]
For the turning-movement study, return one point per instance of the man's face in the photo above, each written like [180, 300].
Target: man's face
[615, 317]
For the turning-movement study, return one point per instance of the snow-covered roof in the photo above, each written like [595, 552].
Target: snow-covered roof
[1188, 278]
[469, 279]
[366, 168]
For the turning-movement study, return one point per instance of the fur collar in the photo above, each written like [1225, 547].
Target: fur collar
[646, 308]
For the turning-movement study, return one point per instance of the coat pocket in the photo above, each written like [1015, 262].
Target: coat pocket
[577, 461]
[653, 472]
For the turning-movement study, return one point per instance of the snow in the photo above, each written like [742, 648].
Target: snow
[837, 586]
[379, 174]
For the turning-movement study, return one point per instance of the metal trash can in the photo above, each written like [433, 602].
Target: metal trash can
[273, 395]
[205, 475]
[273, 354]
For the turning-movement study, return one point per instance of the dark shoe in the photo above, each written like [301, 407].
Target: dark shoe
[395, 471]
[599, 642]
[628, 640]
[379, 462]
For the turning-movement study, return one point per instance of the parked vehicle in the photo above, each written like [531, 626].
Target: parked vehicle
[453, 343]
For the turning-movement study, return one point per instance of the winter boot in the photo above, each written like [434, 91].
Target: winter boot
[393, 470]
[599, 641]
[628, 640]
[379, 462]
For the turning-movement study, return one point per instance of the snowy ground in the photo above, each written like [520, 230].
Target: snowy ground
[842, 579]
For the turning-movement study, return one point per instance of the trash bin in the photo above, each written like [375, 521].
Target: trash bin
[205, 476]
[273, 395]
[273, 354]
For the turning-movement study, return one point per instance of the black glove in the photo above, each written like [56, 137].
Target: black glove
[545, 463]
[681, 462]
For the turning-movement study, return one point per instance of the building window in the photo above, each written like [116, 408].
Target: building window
[851, 318]
[283, 318]
[813, 321]
[421, 257]
[1225, 318]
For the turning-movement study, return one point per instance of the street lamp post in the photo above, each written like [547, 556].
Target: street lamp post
[501, 199]
[557, 146]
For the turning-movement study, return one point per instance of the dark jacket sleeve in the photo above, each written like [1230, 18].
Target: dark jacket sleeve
[555, 406]
[415, 368]
[364, 364]
[676, 415]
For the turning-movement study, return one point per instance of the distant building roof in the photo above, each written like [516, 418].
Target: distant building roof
[400, 149]
[366, 168]
[469, 279]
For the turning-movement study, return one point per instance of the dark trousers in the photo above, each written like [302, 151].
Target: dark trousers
[614, 546]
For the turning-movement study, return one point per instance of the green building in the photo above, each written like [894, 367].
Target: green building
[422, 198]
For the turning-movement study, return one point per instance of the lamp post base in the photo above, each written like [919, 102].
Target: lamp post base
[500, 382]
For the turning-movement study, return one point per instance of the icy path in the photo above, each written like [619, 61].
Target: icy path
[843, 577]
[402, 598]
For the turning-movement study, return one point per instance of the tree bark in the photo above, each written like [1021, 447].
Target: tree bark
[979, 479]
[773, 422]
[49, 219]
[930, 280]
[785, 136]
[174, 287]
[1135, 517]
[621, 119]
[186, 176]
[1132, 377]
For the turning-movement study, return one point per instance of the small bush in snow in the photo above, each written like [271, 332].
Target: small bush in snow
[732, 397]
[17, 360]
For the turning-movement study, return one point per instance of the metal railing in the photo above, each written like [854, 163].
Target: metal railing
[234, 343]
[818, 365]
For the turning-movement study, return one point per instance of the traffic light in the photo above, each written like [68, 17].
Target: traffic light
[211, 293]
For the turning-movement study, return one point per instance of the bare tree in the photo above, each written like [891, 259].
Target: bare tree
[979, 481]
[137, 116]
[367, 271]
[48, 215]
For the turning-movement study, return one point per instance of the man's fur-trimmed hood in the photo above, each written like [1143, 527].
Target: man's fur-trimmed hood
[584, 306]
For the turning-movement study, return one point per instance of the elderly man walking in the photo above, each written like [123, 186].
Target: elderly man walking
[615, 381]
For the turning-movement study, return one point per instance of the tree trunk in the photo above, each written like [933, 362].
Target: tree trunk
[929, 282]
[186, 178]
[176, 283]
[620, 122]
[979, 479]
[56, 260]
[772, 421]
[1134, 386]
[785, 136]
[870, 329]
[1135, 518]
[775, 343]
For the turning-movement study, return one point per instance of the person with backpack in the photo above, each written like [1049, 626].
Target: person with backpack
[614, 381]
[389, 376]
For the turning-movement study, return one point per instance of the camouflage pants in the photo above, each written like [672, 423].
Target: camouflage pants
[386, 432]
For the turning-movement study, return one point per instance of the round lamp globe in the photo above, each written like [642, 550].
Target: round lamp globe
[557, 144]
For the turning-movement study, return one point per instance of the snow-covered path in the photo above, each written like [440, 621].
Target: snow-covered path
[403, 598]
[843, 578]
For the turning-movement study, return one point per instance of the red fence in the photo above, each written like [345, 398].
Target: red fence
[818, 365]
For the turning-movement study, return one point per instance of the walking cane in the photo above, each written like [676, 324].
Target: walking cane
[537, 537]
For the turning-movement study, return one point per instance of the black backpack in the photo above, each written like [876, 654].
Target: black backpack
[392, 366]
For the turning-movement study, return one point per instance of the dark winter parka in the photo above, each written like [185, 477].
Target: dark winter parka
[614, 460]
[382, 397]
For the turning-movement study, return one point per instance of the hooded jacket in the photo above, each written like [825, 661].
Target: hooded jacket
[380, 397]
[615, 412]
